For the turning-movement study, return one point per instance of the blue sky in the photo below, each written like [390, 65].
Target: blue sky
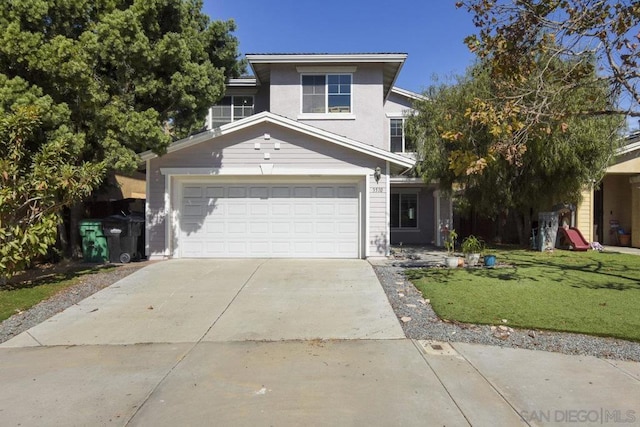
[430, 32]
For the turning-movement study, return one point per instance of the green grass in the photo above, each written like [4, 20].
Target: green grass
[16, 297]
[586, 292]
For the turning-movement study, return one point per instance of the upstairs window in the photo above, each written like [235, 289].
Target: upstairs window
[230, 109]
[326, 93]
[400, 142]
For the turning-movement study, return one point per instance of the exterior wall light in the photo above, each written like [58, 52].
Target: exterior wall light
[377, 173]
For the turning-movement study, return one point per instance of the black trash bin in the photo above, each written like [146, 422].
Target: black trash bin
[123, 234]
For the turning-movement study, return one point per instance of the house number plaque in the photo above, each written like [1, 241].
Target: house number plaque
[377, 189]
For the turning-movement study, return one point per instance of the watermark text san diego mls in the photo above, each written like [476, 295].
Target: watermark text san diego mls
[592, 416]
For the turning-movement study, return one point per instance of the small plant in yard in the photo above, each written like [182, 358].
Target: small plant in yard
[472, 245]
[450, 241]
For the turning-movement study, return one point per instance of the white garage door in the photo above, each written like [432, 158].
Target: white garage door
[272, 220]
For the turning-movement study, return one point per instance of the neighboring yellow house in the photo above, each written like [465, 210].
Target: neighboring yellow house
[616, 203]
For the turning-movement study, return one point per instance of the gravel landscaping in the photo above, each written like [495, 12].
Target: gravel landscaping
[416, 316]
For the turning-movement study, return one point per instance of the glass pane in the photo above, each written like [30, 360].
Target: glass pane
[409, 145]
[339, 103]
[396, 144]
[313, 103]
[395, 211]
[313, 98]
[396, 127]
[313, 84]
[243, 100]
[220, 115]
[239, 113]
[408, 210]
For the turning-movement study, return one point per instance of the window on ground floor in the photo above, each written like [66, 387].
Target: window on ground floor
[404, 210]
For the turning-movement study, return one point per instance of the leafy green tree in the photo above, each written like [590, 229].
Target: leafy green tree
[514, 35]
[474, 138]
[122, 76]
[36, 181]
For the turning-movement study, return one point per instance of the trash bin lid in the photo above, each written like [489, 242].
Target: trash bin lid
[93, 226]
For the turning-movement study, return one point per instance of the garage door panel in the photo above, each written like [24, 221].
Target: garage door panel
[325, 209]
[280, 209]
[274, 220]
[304, 208]
[280, 228]
[237, 209]
[259, 192]
[190, 210]
[237, 248]
[259, 248]
[325, 192]
[302, 192]
[347, 192]
[303, 228]
[214, 227]
[345, 209]
[236, 227]
[258, 210]
[261, 227]
[325, 228]
[215, 247]
[281, 192]
[215, 192]
[237, 192]
[281, 248]
[192, 191]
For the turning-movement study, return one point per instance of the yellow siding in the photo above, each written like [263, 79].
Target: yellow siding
[584, 214]
[635, 217]
[616, 204]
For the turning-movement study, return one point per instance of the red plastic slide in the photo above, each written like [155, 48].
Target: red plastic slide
[576, 238]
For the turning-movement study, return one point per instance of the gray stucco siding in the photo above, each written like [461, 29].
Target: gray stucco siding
[367, 97]
[396, 104]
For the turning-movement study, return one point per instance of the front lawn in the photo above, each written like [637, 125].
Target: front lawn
[586, 292]
[20, 295]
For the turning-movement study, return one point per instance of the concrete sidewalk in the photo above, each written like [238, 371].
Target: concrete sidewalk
[284, 342]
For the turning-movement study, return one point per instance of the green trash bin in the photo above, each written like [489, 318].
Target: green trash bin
[94, 242]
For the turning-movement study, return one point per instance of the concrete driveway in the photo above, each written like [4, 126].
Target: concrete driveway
[190, 301]
[283, 342]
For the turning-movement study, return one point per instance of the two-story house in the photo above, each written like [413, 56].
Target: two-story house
[307, 158]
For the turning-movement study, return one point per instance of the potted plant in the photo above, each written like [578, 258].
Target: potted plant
[451, 260]
[489, 260]
[472, 247]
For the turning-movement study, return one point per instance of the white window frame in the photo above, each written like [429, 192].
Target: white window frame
[233, 106]
[404, 134]
[327, 114]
